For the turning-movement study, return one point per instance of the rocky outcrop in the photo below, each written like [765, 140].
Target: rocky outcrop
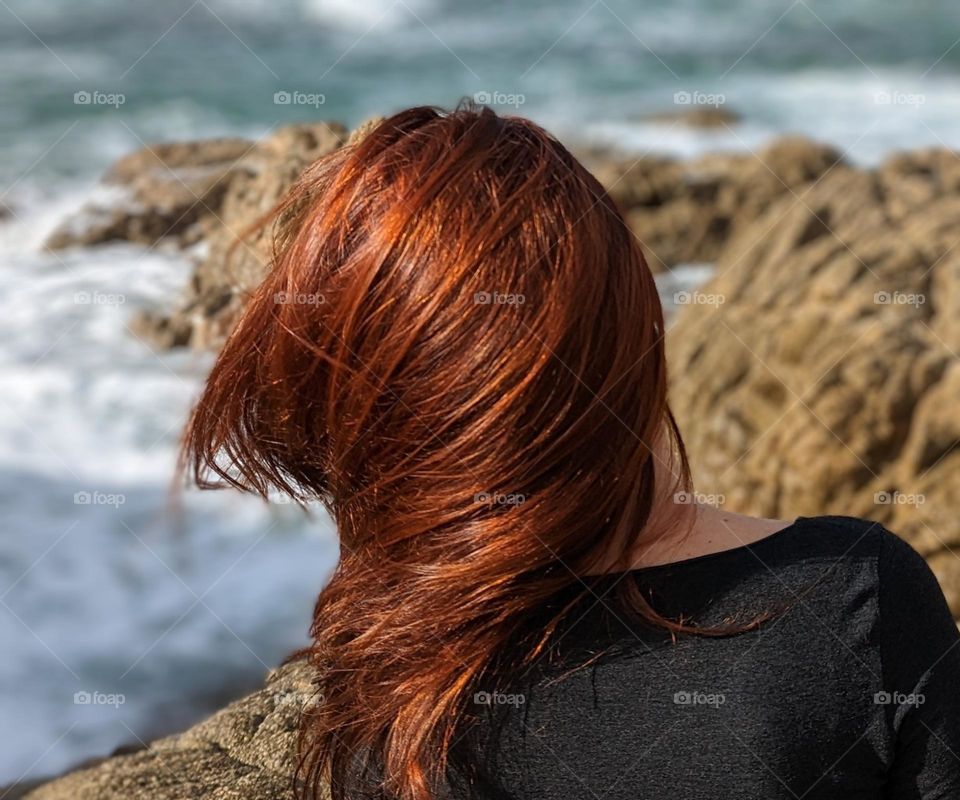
[687, 211]
[213, 192]
[166, 192]
[697, 116]
[818, 371]
[247, 750]
[210, 192]
[238, 250]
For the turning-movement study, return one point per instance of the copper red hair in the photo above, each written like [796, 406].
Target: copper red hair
[459, 351]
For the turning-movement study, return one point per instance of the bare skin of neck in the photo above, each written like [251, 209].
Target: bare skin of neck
[702, 530]
[680, 528]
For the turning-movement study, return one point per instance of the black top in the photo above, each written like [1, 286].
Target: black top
[852, 689]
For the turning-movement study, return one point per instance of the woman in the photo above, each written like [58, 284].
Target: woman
[459, 350]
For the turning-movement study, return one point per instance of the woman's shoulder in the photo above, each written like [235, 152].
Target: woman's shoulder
[913, 626]
[891, 560]
[856, 536]
[837, 564]
[906, 587]
[846, 537]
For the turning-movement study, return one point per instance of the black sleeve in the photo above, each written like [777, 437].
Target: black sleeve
[920, 655]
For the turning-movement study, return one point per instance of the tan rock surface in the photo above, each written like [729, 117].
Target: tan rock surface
[236, 257]
[827, 380]
[164, 192]
[698, 116]
[687, 211]
[246, 751]
[207, 192]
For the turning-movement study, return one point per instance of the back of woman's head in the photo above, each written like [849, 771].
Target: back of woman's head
[459, 351]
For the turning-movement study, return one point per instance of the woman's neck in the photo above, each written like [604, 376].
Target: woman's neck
[700, 530]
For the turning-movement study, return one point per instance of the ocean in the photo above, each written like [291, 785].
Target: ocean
[126, 611]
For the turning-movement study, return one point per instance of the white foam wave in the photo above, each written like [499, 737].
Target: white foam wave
[99, 580]
[379, 14]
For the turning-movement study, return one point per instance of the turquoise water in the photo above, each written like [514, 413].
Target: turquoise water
[589, 69]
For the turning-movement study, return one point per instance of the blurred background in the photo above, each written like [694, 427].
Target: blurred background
[126, 613]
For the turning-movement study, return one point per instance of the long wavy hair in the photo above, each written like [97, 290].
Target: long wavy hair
[459, 350]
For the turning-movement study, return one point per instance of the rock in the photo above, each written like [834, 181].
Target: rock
[824, 376]
[168, 192]
[212, 192]
[697, 116]
[247, 750]
[686, 212]
[236, 252]
[209, 192]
